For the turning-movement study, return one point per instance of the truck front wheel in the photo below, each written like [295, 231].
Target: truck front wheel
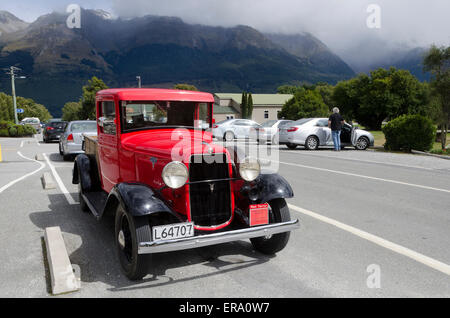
[278, 212]
[127, 230]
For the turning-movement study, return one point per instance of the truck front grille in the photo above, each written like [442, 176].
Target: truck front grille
[210, 200]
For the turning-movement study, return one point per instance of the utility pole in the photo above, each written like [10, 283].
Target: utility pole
[12, 71]
[139, 81]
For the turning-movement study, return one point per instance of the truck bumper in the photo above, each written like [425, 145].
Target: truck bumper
[216, 238]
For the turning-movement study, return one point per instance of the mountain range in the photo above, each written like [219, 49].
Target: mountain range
[58, 60]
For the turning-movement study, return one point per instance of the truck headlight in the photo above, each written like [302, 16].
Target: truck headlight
[175, 174]
[249, 169]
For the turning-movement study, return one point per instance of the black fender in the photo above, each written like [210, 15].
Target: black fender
[268, 187]
[82, 172]
[139, 200]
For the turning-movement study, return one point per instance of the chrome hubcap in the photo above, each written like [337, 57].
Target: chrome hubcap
[312, 143]
[362, 143]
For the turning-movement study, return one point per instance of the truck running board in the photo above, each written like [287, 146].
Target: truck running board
[216, 238]
[96, 202]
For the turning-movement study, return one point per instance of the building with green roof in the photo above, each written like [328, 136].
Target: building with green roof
[265, 106]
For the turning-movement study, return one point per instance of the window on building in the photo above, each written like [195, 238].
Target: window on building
[266, 114]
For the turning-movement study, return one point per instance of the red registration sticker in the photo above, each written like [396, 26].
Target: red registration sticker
[259, 214]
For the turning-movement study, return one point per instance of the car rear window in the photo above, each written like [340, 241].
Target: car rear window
[84, 127]
[58, 124]
[301, 121]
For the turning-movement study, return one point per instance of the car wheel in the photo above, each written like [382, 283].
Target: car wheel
[127, 230]
[229, 136]
[278, 212]
[67, 157]
[312, 143]
[291, 146]
[60, 150]
[362, 143]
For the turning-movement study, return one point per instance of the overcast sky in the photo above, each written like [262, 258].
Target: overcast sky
[341, 24]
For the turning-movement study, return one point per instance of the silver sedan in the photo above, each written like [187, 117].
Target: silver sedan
[70, 143]
[231, 129]
[314, 133]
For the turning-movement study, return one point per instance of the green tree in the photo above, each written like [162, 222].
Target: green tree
[71, 111]
[244, 108]
[326, 91]
[304, 104]
[88, 100]
[383, 94]
[30, 107]
[249, 106]
[287, 89]
[437, 61]
[186, 87]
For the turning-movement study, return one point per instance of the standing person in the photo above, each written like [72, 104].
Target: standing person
[335, 122]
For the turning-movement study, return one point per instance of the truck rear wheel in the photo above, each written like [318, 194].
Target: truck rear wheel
[83, 205]
[278, 212]
[127, 231]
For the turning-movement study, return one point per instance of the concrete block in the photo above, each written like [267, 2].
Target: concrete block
[39, 157]
[47, 181]
[63, 279]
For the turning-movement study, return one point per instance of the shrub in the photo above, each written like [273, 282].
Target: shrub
[4, 132]
[12, 131]
[28, 130]
[409, 132]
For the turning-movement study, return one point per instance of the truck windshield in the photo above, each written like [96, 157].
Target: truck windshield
[152, 114]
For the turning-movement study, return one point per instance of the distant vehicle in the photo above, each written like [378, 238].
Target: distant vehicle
[53, 130]
[314, 133]
[32, 121]
[72, 139]
[268, 132]
[283, 130]
[231, 129]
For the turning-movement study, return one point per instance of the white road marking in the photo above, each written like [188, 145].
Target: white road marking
[423, 259]
[61, 185]
[358, 160]
[42, 165]
[366, 177]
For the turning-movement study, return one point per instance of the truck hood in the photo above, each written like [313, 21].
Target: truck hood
[177, 144]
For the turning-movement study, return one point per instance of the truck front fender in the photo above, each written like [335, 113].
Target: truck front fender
[268, 187]
[139, 200]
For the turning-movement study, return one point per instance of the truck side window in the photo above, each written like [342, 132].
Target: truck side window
[109, 114]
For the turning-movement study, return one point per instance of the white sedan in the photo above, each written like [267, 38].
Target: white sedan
[314, 133]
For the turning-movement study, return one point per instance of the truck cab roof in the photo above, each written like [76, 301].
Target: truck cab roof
[148, 94]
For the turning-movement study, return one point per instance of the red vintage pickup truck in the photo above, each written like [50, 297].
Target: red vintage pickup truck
[155, 168]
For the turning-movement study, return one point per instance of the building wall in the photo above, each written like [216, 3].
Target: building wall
[220, 117]
[259, 112]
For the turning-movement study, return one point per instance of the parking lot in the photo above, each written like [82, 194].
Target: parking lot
[373, 224]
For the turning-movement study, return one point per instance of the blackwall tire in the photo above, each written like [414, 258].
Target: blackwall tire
[275, 243]
[83, 205]
[127, 231]
[312, 143]
[291, 146]
[362, 143]
[228, 136]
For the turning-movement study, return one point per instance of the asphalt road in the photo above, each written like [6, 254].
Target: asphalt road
[373, 224]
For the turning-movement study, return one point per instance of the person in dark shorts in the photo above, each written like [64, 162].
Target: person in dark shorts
[335, 123]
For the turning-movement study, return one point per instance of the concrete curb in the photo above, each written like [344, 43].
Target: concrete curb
[63, 278]
[47, 181]
[430, 154]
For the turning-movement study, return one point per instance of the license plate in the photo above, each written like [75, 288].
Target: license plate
[173, 231]
[259, 214]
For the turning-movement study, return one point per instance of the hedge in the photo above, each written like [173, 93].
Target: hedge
[409, 132]
[9, 129]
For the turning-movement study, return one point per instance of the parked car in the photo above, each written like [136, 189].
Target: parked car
[269, 131]
[72, 139]
[32, 121]
[53, 130]
[172, 189]
[231, 129]
[314, 133]
[283, 131]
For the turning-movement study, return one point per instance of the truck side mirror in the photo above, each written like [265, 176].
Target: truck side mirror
[101, 121]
